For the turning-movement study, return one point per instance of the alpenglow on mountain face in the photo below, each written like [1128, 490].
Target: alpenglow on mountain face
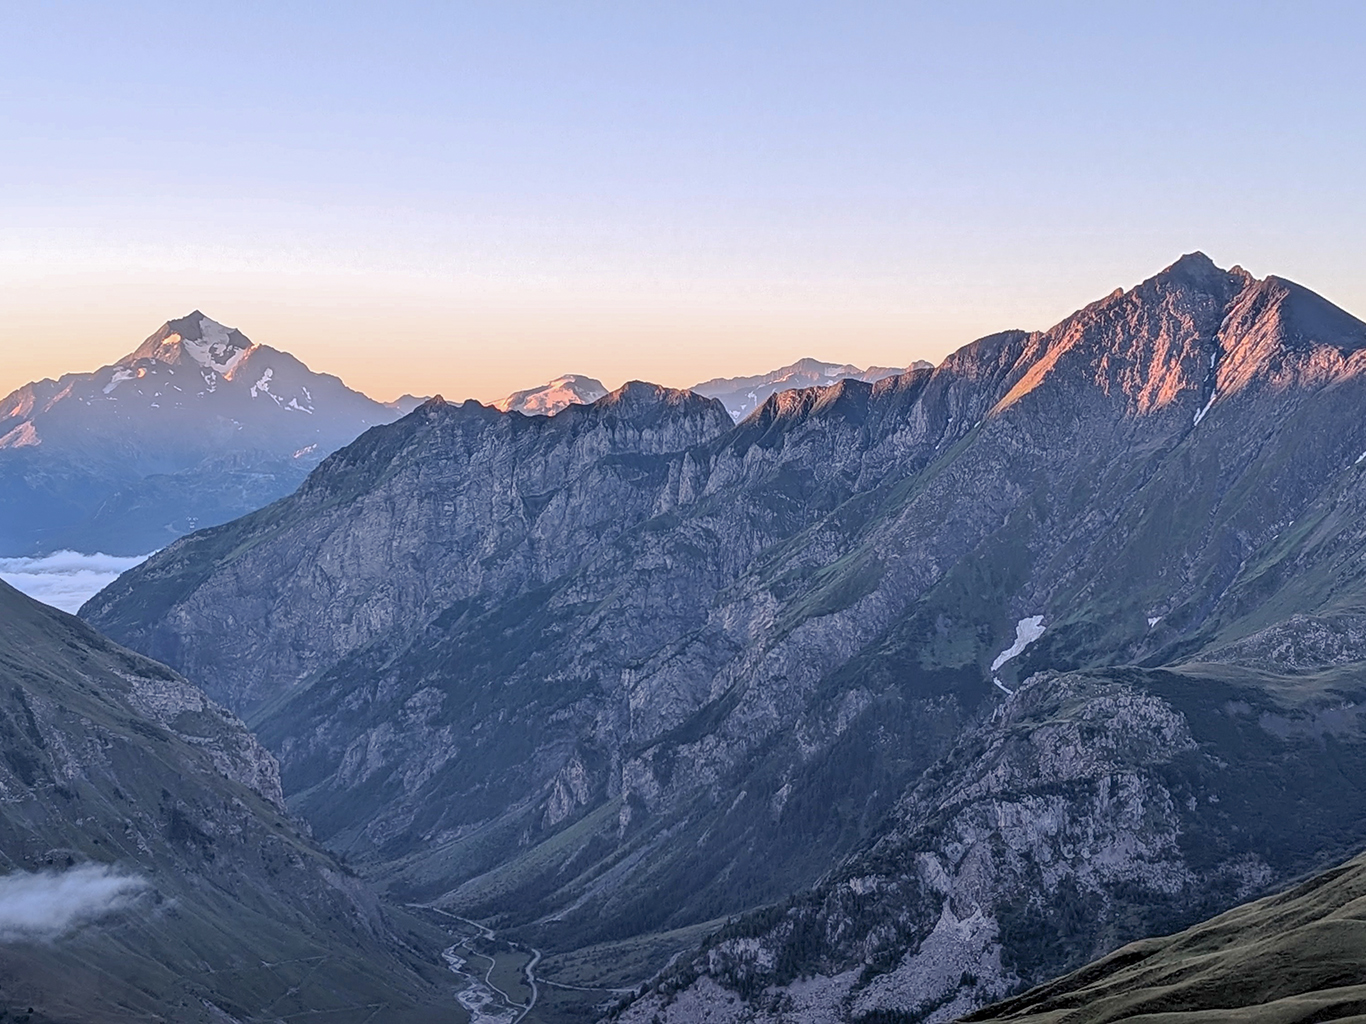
[963, 678]
[556, 396]
[196, 426]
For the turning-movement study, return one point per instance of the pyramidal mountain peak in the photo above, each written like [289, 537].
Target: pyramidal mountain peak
[195, 339]
[198, 422]
[1188, 337]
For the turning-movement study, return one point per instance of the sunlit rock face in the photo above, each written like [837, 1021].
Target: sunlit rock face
[196, 426]
[931, 666]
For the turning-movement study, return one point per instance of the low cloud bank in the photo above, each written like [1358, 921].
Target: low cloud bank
[65, 579]
[44, 906]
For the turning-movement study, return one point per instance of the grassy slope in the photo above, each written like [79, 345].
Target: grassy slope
[1297, 956]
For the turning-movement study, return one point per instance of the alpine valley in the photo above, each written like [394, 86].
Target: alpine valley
[893, 699]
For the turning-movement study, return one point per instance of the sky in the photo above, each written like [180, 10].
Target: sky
[470, 198]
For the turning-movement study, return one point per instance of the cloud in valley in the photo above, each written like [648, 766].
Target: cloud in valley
[46, 905]
[65, 579]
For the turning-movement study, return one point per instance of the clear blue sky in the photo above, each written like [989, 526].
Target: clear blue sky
[468, 198]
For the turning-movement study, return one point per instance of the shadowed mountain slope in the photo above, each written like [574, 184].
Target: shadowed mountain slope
[120, 781]
[633, 667]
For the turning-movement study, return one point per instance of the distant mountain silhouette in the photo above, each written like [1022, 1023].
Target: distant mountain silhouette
[196, 426]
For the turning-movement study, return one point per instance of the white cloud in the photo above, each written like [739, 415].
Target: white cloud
[43, 906]
[65, 579]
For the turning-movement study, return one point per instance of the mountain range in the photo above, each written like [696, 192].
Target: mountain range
[199, 425]
[740, 395]
[743, 395]
[196, 426]
[890, 700]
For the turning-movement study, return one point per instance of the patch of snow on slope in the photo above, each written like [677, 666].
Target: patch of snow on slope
[25, 435]
[1201, 414]
[214, 348]
[1026, 632]
[121, 374]
[263, 385]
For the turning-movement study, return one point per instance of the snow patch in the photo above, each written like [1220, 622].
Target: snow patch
[1026, 632]
[1153, 620]
[1360, 459]
[1201, 414]
[263, 385]
[121, 374]
[214, 349]
[25, 435]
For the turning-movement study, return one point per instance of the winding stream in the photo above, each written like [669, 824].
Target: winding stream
[485, 1001]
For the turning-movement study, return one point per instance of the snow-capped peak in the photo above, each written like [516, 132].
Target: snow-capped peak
[198, 339]
[553, 397]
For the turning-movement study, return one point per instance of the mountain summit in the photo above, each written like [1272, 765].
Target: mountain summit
[553, 397]
[194, 339]
[195, 426]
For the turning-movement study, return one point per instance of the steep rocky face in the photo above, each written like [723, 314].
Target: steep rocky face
[196, 426]
[1084, 810]
[149, 869]
[630, 668]
[537, 494]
